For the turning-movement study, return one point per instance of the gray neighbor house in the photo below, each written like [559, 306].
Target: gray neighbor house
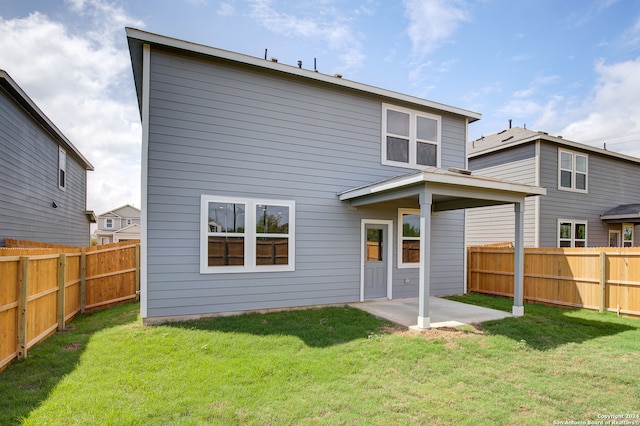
[593, 194]
[43, 177]
[269, 186]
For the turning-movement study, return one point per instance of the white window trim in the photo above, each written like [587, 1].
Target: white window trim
[573, 228]
[573, 171]
[412, 137]
[106, 223]
[250, 235]
[401, 264]
[62, 169]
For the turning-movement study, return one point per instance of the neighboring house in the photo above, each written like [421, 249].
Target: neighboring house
[267, 186]
[121, 224]
[592, 199]
[43, 177]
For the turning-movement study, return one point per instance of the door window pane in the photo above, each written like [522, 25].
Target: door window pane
[374, 245]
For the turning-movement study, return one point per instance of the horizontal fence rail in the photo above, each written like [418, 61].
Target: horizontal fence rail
[43, 288]
[593, 278]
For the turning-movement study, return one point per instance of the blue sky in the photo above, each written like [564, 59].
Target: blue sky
[570, 67]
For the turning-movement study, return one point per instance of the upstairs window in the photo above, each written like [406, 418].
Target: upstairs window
[246, 235]
[572, 171]
[572, 233]
[410, 138]
[108, 223]
[62, 168]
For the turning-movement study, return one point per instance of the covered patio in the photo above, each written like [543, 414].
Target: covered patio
[435, 190]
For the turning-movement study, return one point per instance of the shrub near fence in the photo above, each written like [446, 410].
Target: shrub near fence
[592, 278]
[41, 289]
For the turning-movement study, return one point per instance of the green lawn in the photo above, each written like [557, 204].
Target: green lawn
[328, 366]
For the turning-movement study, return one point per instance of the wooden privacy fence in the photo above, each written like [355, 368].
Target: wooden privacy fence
[41, 289]
[592, 278]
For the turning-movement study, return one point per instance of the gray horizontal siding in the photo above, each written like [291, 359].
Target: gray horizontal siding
[496, 224]
[29, 183]
[611, 182]
[224, 130]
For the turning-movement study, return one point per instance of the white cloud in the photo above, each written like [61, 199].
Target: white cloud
[433, 22]
[612, 112]
[326, 25]
[83, 84]
[225, 9]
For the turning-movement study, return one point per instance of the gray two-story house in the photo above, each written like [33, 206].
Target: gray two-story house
[593, 194]
[117, 225]
[43, 177]
[269, 186]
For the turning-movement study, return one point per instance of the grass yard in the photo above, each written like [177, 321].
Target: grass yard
[328, 366]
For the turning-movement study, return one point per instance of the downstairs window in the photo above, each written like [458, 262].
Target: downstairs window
[246, 235]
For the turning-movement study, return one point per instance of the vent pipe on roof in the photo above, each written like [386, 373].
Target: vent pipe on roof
[265, 54]
[315, 68]
[509, 123]
[299, 64]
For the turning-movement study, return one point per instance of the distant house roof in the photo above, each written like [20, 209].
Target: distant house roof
[114, 211]
[623, 213]
[137, 38]
[519, 136]
[7, 83]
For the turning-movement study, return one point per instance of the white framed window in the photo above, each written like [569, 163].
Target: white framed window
[129, 222]
[108, 223]
[408, 238]
[627, 235]
[572, 233]
[410, 138]
[62, 168]
[572, 171]
[246, 235]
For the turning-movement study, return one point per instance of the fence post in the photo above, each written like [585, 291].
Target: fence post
[62, 272]
[137, 272]
[83, 281]
[603, 281]
[23, 302]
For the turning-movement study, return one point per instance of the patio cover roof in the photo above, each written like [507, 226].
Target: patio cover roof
[624, 213]
[451, 189]
[436, 190]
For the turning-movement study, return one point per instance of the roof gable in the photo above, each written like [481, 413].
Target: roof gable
[126, 211]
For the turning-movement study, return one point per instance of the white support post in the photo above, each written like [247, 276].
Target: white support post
[424, 321]
[518, 259]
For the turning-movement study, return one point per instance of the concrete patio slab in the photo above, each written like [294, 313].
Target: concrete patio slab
[443, 312]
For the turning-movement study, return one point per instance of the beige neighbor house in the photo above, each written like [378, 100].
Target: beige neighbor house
[121, 224]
